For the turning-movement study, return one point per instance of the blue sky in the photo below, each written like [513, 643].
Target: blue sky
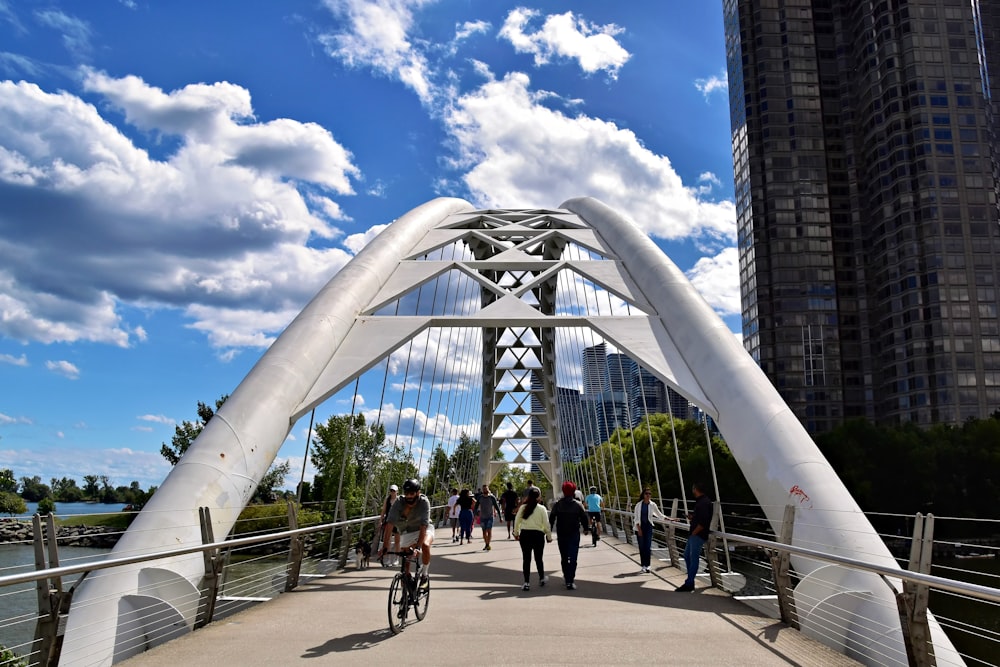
[177, 179]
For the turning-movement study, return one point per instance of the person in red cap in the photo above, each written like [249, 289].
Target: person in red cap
[568, 516]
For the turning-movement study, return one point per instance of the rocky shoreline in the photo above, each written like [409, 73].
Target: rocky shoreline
[13, 531]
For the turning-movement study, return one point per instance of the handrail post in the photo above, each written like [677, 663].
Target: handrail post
[210, 582]
[713, 541]
[345, 540]
[295, 550]
[780, 562]
[912, 602]
[672, 550]
[49, 591]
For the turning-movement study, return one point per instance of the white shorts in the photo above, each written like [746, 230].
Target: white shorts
[407, 539]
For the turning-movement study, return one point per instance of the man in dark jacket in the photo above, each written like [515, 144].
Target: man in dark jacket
[701, 522]
[568, 516]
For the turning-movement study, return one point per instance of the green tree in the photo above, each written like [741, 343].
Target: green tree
[33, 489]
[11, 503]
[271, 483]
[91, 490]
[7, 481]
[46, 506]
[65, 490]
[464, 462]
[186, 432]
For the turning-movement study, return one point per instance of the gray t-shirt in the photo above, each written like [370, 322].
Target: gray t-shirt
[418, 516]
[487, 505]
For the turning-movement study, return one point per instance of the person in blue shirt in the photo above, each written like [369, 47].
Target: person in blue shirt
[595, 505]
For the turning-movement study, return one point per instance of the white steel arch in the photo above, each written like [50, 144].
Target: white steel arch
[518, 256]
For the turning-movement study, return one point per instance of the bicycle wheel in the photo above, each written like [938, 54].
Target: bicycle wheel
[398, 604]
[423, 599]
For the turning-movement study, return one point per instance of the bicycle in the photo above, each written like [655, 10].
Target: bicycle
[407, 590]
[594, 535]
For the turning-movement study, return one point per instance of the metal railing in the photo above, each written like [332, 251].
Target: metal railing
[224, 589]
[765, 578]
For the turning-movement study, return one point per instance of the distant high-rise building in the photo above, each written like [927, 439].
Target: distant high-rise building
[647, 394]
[572, 430]
[595, 369]
[680, 407]
[865, 149]
[620, 367]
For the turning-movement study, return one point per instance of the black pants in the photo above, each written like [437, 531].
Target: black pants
[533, 541]
[569, 549]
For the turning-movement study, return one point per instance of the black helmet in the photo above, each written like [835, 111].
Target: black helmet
[411, 485]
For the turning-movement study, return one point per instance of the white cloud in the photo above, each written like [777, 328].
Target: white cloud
[122, 465]
[14, 361]
[469, 28]
[517, 150]
[377, 37]
[159, 419]
[593, 46]
[355, 242]
[718, 280]
[92, 221]
[76, 33]
[712, 84]
[64, 368]
[6, 419]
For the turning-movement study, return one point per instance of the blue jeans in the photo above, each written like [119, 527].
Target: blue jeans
[692, 552]
[465, 521]
[569, 549]
[645, 544]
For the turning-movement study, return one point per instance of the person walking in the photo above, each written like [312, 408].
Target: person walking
[453, 514]
[488, 509]
[643, 514]
[532, 530]
[386, 506]
[509, 501]
[701, 523]
[568, 516]
[465, 516]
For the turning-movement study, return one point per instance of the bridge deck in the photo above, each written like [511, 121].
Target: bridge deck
[478, 613]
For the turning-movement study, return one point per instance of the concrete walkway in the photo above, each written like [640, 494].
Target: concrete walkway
[479, 614]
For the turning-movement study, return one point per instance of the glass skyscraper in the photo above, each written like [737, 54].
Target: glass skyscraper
[865, 137]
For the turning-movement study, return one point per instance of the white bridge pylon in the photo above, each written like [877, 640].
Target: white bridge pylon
[518, 259]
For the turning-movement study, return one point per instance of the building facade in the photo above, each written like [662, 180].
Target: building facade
[864, 141]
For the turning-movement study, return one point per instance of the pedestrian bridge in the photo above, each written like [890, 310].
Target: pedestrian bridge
[478, 614]
[498, 327]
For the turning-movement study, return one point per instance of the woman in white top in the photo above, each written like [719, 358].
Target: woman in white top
[644, 513]
[532, 530]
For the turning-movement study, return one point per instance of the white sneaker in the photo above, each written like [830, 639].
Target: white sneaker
[543, 581]
[526, 586]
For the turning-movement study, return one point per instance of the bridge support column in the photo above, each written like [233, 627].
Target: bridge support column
[780, 561]
[711, 557]
[672, 549]
[52, 601]
[295, 550]
[213, 567]
[912, 602]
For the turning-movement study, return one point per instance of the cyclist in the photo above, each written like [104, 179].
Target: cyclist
[595, 504]
[412, 514]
